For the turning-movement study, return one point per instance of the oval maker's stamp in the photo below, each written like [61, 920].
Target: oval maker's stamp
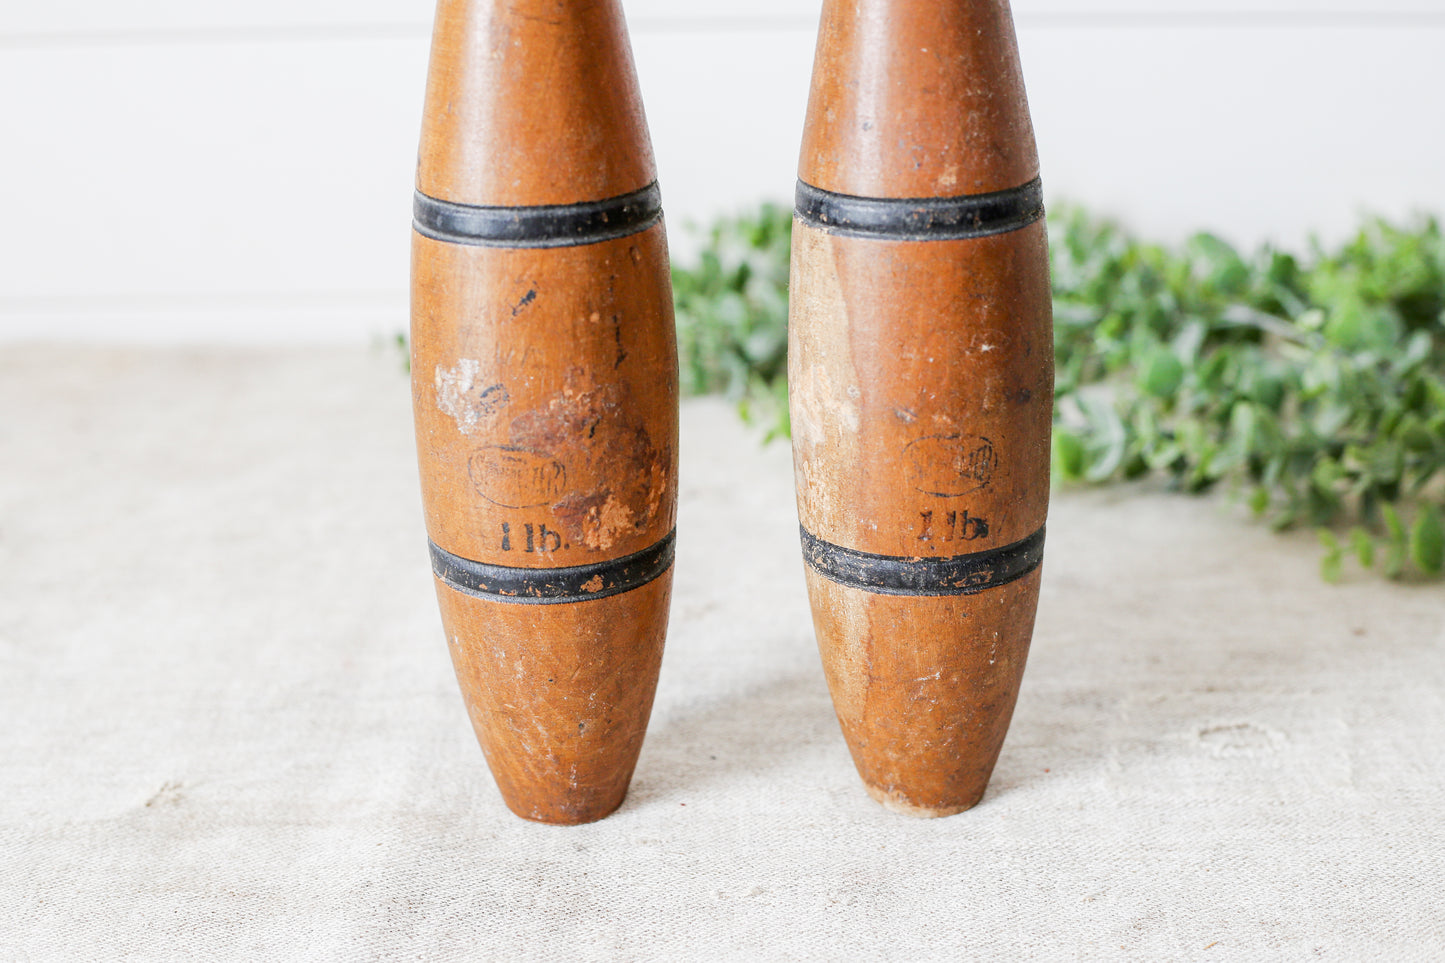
[517, 477]
[950, 465]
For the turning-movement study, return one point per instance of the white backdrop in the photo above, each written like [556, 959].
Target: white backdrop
[236, 171]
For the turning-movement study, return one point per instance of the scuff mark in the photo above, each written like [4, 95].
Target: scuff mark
[168, 795]
[527, 299]
[1240, 739]
[466, 397]
[617, 336]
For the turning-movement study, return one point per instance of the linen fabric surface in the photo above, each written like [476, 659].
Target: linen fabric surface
[232, 730]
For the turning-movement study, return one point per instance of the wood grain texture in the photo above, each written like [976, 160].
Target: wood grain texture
[532, 102]
[559, 696]
[921, 380]
[544, 377]
[917, 100]
[924, 687]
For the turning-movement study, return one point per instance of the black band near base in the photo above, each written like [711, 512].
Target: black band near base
[903, 575]
[553, 586]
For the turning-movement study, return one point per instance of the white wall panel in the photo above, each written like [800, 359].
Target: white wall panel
[200, 169]
[1257, 135]
[252, 185]
[87, 17]
[726, 114]
[108, 20]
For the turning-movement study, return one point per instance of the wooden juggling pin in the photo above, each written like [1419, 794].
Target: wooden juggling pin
[544, 380]
[921, 376]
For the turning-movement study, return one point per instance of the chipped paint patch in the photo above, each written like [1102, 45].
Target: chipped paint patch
[616, 475]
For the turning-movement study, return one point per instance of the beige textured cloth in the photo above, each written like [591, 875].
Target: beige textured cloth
[232, 732]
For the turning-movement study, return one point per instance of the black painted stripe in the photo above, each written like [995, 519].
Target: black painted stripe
[561, 225]
[904, 575]
[921, 218]
[553, 586]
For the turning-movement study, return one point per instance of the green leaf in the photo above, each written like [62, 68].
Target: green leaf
[1360, 327]
[1333, 560]
[404, 347]
[1069, 454]
[1396, 542]
[1259, 500]
[1110, 441]
[1415, 435]
[1364, 547]
[1220, 264]
[1162, 374]
[1427, 540]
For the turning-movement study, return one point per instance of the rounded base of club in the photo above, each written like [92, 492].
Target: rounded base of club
[559, 695]
[897, 802]
[569, 813]
[924, 686]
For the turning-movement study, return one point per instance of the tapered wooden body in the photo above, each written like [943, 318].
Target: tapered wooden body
[921, 380]
[544, 381]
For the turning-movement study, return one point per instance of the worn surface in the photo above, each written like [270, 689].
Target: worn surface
[914, 98]
[546, 399]
[922, 378]
[233, 733]
[544, 384]
[920, 368]
[559, 695]
[532, 102]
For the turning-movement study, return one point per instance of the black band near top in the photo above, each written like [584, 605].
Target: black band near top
[553, 586]
[921, 218]
[903, 575]
[560, 225]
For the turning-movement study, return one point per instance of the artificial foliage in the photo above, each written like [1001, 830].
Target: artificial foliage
[1312, 385]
